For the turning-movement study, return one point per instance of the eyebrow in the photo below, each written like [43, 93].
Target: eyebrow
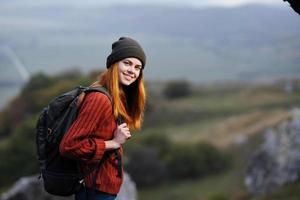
[131, 62]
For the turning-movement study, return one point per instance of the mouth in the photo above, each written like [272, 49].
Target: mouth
[127, 76]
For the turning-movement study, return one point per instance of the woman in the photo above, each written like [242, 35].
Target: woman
[95, 132]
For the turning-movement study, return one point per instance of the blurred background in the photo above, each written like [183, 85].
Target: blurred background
[223, 82]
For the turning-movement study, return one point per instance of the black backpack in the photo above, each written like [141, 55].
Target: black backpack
[61, 175]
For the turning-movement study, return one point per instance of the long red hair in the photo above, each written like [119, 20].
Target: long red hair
[129, 101]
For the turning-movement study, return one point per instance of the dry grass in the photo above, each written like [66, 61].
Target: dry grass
[235, 128]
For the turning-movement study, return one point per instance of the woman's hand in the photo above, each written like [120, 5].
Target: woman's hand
[121, 134]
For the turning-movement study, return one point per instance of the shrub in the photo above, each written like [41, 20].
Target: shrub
[193, 161]
[5, 123]
[38, 81]
[177, 89]
[218, 196]
[145, 167]
[159, 141]
[18, 155]
[215, 160]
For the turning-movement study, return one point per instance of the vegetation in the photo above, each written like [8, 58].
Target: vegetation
[177, 89]
[168, 161]
[190, 139]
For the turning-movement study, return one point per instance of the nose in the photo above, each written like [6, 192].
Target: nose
[130, 69]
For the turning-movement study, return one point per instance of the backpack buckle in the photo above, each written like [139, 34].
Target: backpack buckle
[82, 182]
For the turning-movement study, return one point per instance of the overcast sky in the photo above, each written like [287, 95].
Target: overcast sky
[197, 3]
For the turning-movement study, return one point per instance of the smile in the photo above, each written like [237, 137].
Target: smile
[127, 75]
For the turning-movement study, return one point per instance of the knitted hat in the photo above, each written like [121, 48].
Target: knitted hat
[125, 47]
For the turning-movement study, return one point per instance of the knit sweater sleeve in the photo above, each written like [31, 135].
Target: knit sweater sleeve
[79, 141]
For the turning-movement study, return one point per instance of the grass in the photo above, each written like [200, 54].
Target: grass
[226, 129]
[228, 185]
[213, 107]
[221, 120]
[192, 189]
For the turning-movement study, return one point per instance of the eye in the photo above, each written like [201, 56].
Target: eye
[137, 67]
[126, 62]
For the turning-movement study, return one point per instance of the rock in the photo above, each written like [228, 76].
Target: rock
[128, 190]
[29, 188]
[277, 161]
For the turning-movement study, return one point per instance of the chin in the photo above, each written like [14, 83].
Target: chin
[126, 83]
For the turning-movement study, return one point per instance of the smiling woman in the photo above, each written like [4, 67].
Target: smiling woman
[101, 128]
[129, 70]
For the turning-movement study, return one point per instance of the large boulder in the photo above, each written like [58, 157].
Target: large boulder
[29, 188]
[277, 161]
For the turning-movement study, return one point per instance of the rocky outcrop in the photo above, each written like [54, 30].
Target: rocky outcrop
[29, 188]
[277, 161]
[128, 190]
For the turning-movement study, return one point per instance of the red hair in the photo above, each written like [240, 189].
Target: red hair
[129, 101]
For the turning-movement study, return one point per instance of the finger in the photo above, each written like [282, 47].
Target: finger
[125, 129]
[128, 136]
[126, 133]
[123, 125]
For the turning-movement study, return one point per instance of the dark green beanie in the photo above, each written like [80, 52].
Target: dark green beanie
[125, 47]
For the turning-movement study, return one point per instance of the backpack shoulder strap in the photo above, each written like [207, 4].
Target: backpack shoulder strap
[85, 90]
[98, 89]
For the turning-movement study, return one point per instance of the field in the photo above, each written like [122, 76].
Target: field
[232, 118]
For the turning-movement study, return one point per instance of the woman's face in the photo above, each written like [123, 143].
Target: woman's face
[129, 70]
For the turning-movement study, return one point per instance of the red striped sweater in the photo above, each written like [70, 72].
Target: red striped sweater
[84, 140]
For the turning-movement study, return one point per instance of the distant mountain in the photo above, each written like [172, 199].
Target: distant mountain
[242, 43]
